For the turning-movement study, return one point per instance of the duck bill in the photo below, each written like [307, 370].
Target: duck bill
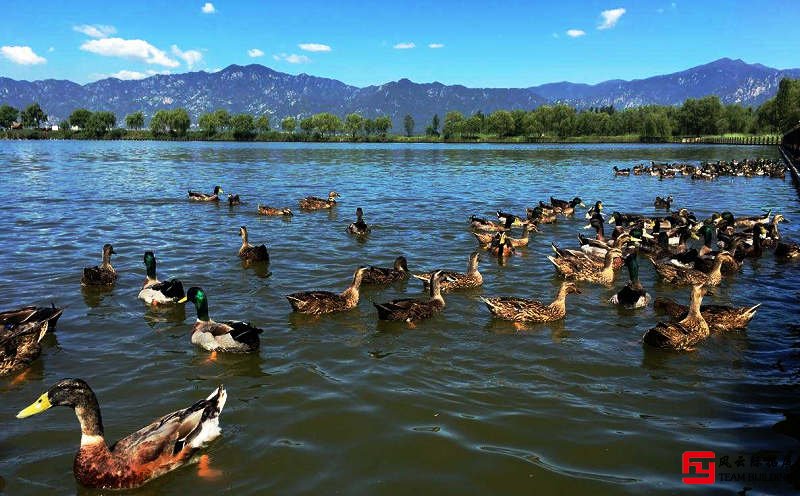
[38, 406]
[612, 220]
[182, 300]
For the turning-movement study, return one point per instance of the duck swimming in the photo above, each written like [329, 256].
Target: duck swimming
[21, 334]
[251, 253]
[633, 294]
[578, 266]
[385, 275]
[103, 274]
[322, 302]
[451, 280]
[161, 447]
[155, 292]
[233, 200]
[680, 276]
[663, 202]
[413, 310]
[566, 207]
[359, 227]
[685, 334]
[274, 212]
[720, 318]
[202, 197]
[316, 203]
[231, 336]
[525, 310]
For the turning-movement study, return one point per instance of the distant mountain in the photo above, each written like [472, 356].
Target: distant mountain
[259, 90]
[733, 81]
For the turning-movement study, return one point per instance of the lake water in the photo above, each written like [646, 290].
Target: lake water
[461, 404]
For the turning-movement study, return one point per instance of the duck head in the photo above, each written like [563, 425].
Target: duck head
[198, 297]
[150, 264]
[75, 394]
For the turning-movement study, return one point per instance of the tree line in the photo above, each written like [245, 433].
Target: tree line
[695, 117]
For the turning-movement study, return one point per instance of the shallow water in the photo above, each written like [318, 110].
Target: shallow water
[462, 404]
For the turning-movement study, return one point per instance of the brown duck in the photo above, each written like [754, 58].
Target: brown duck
[103, 274]
[457, 280]
[681, 276]
[322, 302]
[251, 253]
[274, 212]
[316, 203]
[412, 310]
[720, 318]
[387, 275]
[580, 267]
[685, 334]
[525, 310]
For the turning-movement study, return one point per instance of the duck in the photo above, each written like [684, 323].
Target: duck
[773, 234]
[680, 276]
[315, 203]
[567, 207]
[323, 302]
[230, 336]
[663, 202]
[526, 310]
[756, 250]
[720, 318]
[251, 253]
[481, 224]
[202, 197]
[233, 200]
[510, 220]
[787, 251]
[155, 292]
[539, 215]
[452, 280]
[485, 239]
[752, 221]
[359, 227]
[412, 310]
[621, 172]
[163, 446]
[21, 334]
[684, 334]
[387, 275]
[274, 212]
[103, 274]
[578, 266]
[596, 209]
[633, 295]
[501, 246]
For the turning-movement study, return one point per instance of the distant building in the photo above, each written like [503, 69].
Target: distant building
[54, 127]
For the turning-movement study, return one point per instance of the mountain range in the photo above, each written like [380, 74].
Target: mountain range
[259, 90]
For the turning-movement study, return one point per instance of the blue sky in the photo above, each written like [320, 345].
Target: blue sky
[478, 44]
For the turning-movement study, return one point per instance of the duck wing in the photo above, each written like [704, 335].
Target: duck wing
[171, 289]
[98, 276]
[314, 302]
[244, 332]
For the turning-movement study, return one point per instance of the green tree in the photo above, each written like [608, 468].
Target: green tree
[326, 122]
[532, 126]
[501, 123]
[223, 119]
[100, 123]
[243, 126]
[80, 118]
[8, 115]
[179, 121]
[353, 124]
[433, 128]
[134, 120]
[787, 104]
[471, 127]
[382, 125]
[700, 116]
[453, 125]
[307, 125]
[408, 125]
[369, 127]
[159, 124]
[289, 124]
[33, 115]
[208, 123]
[262, 124]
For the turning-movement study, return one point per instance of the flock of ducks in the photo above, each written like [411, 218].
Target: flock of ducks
[709, 170]
[665, 241]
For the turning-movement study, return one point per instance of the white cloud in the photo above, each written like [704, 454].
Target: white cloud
[610, 18]
[575, 33]
[22, 55]
[435, 45]
[127, 75]
[255, 52]
[208, 8]
[314, 47]
[404, 46]
[191, 57]
[129, 49]
[95, 30]
[292, 58]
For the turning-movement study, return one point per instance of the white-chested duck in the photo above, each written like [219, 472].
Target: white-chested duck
[359, 227]
[684, 334]
[322, 302]
[161, 447]
[155, 292]
[316, 203]
[527, 310]
[251, 253]
[203, 197]
[230, 336]
[596, 209]
[387, 275]
[633, 295]
[452, 280]
[413, 310]
[103, 274]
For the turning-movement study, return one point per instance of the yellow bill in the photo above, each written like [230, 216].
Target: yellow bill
[182, 300]
[38, 406]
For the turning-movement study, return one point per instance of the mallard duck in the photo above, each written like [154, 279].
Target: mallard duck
[633, 294]
[412, 310]
[251, 253]
[233, 200]
[578, 266]
[567, 207]
[316, 203]
[150, 452]
[272, 211]
[752, 221]
[596, 209]
[539, 215]
[386, 275]
[359, 227]
[681, 276]
[481, 224]
[773, 231]
[103, 274]
[787, 251]
[202, 197]
[720, 318]
[524, 310]
[682, 335]
[155, 292]
[756, 250]
[501, 246]
[228, 336]
[322, 302]
[457, 280]
[485, 239]
[663, 202]
[510, 220]
[621, 172]
[21, 335]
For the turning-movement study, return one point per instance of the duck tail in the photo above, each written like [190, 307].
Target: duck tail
[751, 312]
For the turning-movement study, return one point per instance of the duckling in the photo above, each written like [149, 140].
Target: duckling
[621, 172]
[501, 246]
[21, 335]
[229, 336]
[155, 292]
[663, 202]
[359, 227]
[103, 274]
[274, 212]
[683, 276]
[168, 443]
[720, 318]
[385, 275]
[412, 310]
[685, 334]
[525, 310]
[452, 280]
[249, 252]
[322, 302]
[315, 203]
[233, 200]
[633, 294]
[582, 268]
[567, 207]
[202, 197]
[787, 251]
